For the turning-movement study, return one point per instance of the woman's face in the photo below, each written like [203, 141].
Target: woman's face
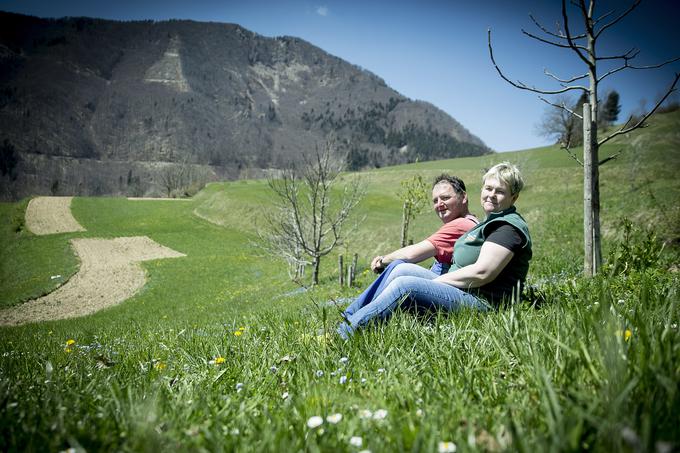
[448, 205]
[496, 195]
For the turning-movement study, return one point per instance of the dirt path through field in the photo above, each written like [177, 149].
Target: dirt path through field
[110, 270]
[51, 215]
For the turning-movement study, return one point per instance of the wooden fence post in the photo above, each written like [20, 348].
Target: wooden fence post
[341, 269]
[351, 270]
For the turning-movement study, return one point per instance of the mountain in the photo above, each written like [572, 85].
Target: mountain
[90, 107]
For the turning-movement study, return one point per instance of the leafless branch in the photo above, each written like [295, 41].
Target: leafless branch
[629, 66]
[617, 19]
[570, 39]
[612, 157]
[625, 129]
[571, 80]
[521, 85]
[602, 17]
[573, 156]
[632, 53]
[552, 43]
[548, 32]
[562, 106]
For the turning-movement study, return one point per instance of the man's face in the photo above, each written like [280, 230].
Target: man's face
[448, 205]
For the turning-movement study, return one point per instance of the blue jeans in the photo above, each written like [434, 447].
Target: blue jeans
[385, 277]
[412, 284]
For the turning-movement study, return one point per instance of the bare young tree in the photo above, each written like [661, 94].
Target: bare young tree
[584, 44]
[415, 195]
[558, 124]
[309, 211]
[175, 178]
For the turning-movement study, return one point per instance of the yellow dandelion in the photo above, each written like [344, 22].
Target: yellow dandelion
[238, 333]
[70, 342]
[625, 334]
[159, 365]
[219, 360]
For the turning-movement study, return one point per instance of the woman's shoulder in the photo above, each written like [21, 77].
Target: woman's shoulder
[511, 221]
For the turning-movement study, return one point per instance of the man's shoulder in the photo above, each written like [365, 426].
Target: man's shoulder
[467, 221]
[461, 223]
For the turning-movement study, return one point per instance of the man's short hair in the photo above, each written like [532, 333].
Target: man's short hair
[454, 181]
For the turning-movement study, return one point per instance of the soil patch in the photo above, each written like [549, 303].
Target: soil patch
[51, 215]
[158, 199]
[110, 272]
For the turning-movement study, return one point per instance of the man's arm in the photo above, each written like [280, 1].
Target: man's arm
[411, 253]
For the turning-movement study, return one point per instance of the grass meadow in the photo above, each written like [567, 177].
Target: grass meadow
[218, 352]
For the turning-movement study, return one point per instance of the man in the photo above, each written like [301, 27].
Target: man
[450, 203]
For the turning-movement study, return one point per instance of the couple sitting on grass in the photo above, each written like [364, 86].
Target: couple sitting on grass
[486, 267]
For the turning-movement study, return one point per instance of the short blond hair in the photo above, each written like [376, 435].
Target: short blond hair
[509, 174]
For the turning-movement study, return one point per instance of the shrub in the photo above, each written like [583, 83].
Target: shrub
[637, 249]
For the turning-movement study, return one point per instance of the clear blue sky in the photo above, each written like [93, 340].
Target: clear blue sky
[435, 50]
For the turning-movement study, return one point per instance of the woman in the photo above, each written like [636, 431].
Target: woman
[490, 264]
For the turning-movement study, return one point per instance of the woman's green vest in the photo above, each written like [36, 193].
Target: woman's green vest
[467, 248]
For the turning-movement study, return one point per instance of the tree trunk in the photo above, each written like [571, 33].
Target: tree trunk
[405, 220]
[587, 192]
[591, 139]
[595, 200]
[316, 264]
[592, 260]
[597, 240]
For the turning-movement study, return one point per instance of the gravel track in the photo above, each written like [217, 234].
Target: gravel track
[51, 215]
[110, 270]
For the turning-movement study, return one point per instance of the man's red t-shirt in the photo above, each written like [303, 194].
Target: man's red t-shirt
[445, 237]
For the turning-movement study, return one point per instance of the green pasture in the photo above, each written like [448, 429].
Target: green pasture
[219, 351]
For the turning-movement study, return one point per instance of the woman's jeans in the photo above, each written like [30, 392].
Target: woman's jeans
[410, 283]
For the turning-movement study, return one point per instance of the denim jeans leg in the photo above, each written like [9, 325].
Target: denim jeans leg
[372, 291]
[408, 270]
[420, 291]
[440, 268]
[397, 268]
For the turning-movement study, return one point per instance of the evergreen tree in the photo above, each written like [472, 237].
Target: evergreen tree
[611, 108]
[356, 158]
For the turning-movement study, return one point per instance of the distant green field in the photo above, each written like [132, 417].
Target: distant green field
[219, 351]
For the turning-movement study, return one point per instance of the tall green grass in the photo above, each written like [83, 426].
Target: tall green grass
[219, 351]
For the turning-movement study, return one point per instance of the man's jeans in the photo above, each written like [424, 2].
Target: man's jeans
[404, 279]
